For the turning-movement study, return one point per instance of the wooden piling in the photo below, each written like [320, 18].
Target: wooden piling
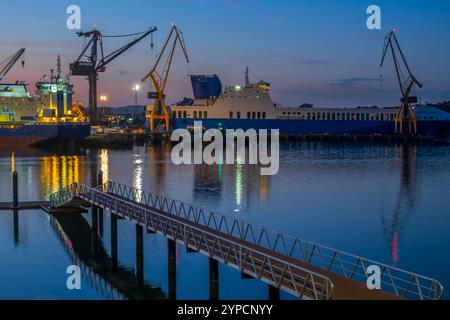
[139, 257]
[114, 244]
[100, 210]
[15, 190]
[172, 268]
[213, 279]
[274, 293]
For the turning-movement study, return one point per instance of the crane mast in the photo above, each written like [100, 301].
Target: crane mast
[158, 111]
[405, 115]
[90, 66]
[10, 63]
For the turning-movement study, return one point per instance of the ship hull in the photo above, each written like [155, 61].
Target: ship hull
[29, 135]
[433, 129]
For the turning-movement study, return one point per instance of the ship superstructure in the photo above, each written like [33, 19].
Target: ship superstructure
[251, 106]
[51, 112]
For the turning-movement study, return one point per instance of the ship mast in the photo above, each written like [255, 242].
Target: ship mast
[247, 77]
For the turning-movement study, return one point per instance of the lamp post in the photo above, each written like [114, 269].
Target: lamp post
[136, 89]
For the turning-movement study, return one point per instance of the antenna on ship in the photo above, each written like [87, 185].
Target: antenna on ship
[247, 77]
[58, 65]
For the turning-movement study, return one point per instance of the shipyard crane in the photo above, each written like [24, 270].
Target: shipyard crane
[10, 62]
[405, 113]
[159, 112]
[87, 65]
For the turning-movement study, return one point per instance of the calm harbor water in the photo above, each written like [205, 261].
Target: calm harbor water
[390, 203]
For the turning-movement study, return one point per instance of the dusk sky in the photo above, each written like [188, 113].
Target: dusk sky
[318, 52]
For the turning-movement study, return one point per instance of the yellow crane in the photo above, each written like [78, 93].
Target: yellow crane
[405, 115]
[158, 111]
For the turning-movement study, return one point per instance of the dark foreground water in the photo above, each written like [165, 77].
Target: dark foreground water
[390, 203]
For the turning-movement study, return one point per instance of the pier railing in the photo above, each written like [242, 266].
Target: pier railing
[394, 280]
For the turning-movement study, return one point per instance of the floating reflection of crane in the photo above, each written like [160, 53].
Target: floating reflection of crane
[393, 227]
[405, 115]
[159, 112]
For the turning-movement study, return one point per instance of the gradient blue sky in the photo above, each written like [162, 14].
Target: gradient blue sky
[311, 51]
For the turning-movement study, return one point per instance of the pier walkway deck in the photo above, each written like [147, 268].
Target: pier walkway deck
[304, 269]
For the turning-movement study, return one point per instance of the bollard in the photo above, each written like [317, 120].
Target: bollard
[15, 191]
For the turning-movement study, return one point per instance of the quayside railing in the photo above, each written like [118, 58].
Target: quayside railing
[399, 282]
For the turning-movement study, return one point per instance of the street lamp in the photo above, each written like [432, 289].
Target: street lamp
[136, 89]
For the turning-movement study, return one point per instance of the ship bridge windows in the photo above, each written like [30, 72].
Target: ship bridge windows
[263, 115]
[179, 114]
[184, 114]
[195, 114]
[248, 115]
[259, 115]
[200, 114]
[205, 114]
[253, 115]
[231, 115]
[239, 115]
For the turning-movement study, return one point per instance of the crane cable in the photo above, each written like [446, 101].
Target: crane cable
[124, 35]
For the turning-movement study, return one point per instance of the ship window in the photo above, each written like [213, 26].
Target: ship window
[195, 114]
[308, 116]
[174, 114]
[253, 115]
[205, 114]
[263, 115]
[259, 115]
[231, 114]
[314, 116]
[392, 117]
[238, 115]
[324, 116]
[200, 114]
[333, 116]
[248, 115]
[184, 114]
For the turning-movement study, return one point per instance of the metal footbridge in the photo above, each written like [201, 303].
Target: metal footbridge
[299, 267]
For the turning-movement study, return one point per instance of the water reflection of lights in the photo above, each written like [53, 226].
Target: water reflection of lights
[137, 176]
[58, 172]
[104, 165]
[13, 162]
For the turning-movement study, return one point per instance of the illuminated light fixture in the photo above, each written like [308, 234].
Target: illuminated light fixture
[136, 87]
[237, 88]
